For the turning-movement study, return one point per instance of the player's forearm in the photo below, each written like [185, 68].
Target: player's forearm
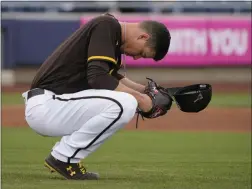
[141, 98]
[133, 85]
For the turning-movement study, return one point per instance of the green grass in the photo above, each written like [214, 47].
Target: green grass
[11, 98]
[219, 99]
[232, 100]
[135, 160]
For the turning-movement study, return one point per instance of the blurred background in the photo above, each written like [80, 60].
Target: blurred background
[211, 41]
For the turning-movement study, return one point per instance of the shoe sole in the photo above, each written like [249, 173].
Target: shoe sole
[52, 170]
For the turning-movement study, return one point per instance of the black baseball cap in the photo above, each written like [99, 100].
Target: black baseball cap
[163, 41]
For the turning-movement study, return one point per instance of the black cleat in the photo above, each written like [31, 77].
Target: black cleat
[71, 171]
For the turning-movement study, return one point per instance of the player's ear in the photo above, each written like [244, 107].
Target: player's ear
[144, 36]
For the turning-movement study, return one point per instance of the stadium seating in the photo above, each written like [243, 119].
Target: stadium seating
[164, 7]
[209, 7]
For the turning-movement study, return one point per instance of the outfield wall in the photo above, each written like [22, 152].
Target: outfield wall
[199, 46]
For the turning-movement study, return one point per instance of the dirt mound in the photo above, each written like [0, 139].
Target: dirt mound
[211, 119]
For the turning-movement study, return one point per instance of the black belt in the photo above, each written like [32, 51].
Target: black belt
[35, 92]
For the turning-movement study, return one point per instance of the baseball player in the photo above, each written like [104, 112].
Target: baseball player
[79, 95]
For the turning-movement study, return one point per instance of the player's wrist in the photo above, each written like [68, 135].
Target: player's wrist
[146, 103]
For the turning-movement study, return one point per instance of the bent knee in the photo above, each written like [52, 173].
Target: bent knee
[123, 107]
[129, 104]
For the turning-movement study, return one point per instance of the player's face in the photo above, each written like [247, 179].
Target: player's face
[138, 48]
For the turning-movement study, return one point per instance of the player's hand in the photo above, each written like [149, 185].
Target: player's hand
[161, 100]
[146, 104]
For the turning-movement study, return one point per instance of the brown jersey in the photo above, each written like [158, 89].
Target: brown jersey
[65, 71]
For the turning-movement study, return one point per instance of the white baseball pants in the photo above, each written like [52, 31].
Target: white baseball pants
[84, 119]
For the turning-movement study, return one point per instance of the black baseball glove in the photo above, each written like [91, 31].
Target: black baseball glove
[161, 100]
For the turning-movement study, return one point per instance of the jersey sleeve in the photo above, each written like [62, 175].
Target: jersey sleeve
[117, 75]
[102, 45]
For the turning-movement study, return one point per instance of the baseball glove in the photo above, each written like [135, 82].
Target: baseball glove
[161, 100]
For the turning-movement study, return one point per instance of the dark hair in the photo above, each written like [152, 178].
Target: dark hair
[159, 37]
